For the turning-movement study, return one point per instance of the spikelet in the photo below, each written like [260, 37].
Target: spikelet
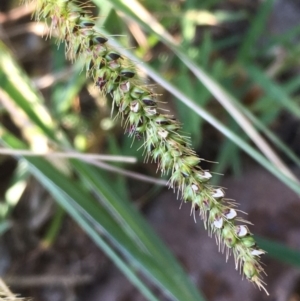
[163, 142]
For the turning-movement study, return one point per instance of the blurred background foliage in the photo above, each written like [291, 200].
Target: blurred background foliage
[225, 70]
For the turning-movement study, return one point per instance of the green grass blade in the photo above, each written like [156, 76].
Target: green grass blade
[68, 204]
[284, 40]
[261, 126]
[54, 228]
[138, 228]
[19, 88]
[273, 90]
[166, 276]
[257, 26]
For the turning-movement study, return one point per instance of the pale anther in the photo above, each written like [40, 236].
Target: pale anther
[230, 214]
[125, 87]
[207, 175]
[218, 193]
[163, 134]
[218, 223]
[150, 111]
[195, 187]
[134, 107]
[257, 252]
[241, 231]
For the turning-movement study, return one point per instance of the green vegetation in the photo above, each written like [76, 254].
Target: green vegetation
[197, 74]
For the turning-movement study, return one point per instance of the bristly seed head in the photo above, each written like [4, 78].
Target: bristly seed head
[163, 140]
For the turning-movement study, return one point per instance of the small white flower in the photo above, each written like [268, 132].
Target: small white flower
[125, 86]
[135, 106]
[150, 111]
[195, 187]
[230, 214]
[206, 175]
[218, 193]
[218, 223]
[257, 252]
[241, 231]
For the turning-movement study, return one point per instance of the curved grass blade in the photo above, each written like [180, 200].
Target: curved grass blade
[164, 275]
[16, 84]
